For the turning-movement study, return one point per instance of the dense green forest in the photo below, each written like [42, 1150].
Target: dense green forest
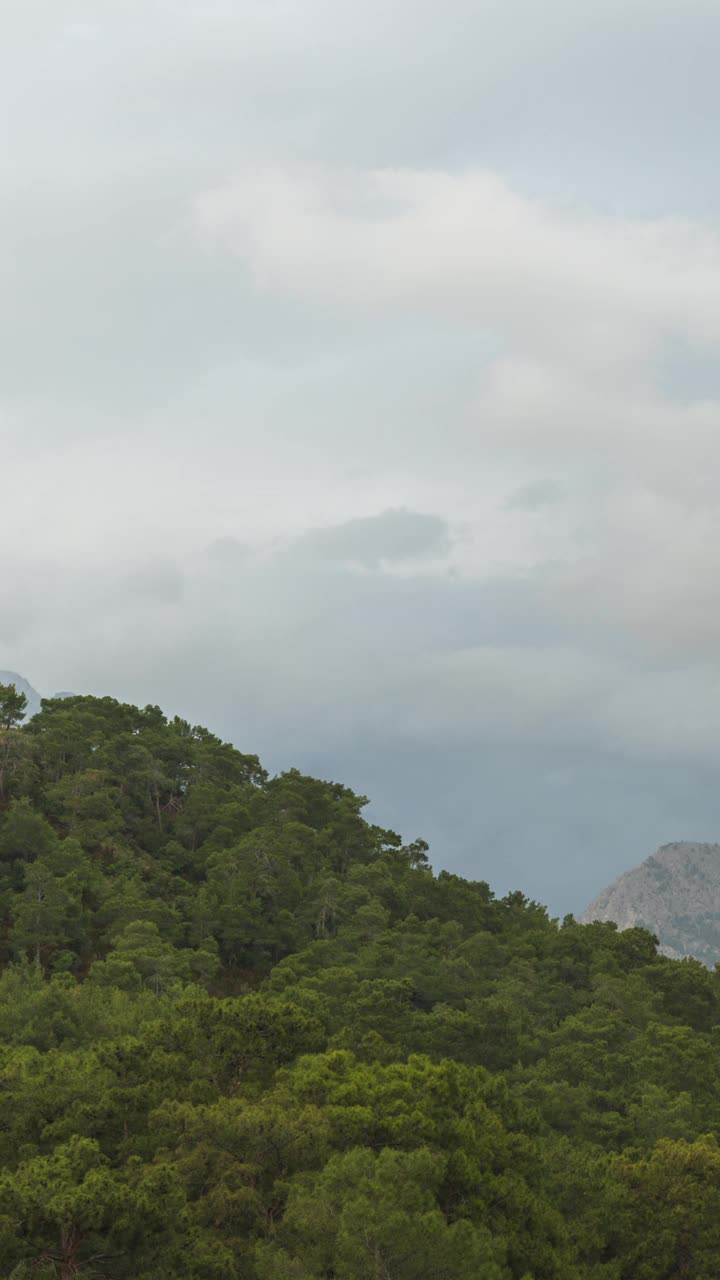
[247, 1035]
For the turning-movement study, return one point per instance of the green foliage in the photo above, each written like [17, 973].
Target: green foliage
[247, 1035]
[371, 1214]
[13, 706]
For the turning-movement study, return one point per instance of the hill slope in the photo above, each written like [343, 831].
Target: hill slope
[675, 894]
[247, 1035]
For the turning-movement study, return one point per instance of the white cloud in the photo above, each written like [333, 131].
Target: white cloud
[580, 310]
[595, 292]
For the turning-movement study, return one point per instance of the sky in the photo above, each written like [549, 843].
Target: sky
[360, 399]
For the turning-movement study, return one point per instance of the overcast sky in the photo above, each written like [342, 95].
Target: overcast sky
[360, 399]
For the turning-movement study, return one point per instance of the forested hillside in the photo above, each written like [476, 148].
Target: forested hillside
[246, 1035]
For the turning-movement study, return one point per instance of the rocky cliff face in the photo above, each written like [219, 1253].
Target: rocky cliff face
[676, 894]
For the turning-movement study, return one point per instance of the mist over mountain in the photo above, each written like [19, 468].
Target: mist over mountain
[33, 697]
[23, 686]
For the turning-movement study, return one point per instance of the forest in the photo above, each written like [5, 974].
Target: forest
[245, 1034]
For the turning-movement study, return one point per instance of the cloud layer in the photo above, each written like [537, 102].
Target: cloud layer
[359, 397]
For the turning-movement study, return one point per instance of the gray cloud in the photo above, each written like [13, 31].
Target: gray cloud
[159, 581]
[460, 707]
[392, 536]
[533, 496]
[359, 397]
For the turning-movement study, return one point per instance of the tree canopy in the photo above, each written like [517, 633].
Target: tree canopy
[13, 706]
[247, 1034]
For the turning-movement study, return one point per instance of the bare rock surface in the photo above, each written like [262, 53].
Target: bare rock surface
[675, 894]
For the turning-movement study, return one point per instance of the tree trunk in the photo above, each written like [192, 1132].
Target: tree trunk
[70, 1242]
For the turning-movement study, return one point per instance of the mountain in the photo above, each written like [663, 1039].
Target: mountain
[675, 894]
[22, 686]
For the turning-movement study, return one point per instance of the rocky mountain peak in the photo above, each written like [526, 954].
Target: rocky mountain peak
[675, 893]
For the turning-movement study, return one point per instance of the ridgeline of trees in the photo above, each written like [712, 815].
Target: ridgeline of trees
[247, 1035]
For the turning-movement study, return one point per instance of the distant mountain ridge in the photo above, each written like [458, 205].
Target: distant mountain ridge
[675, 893]
[23, 686]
